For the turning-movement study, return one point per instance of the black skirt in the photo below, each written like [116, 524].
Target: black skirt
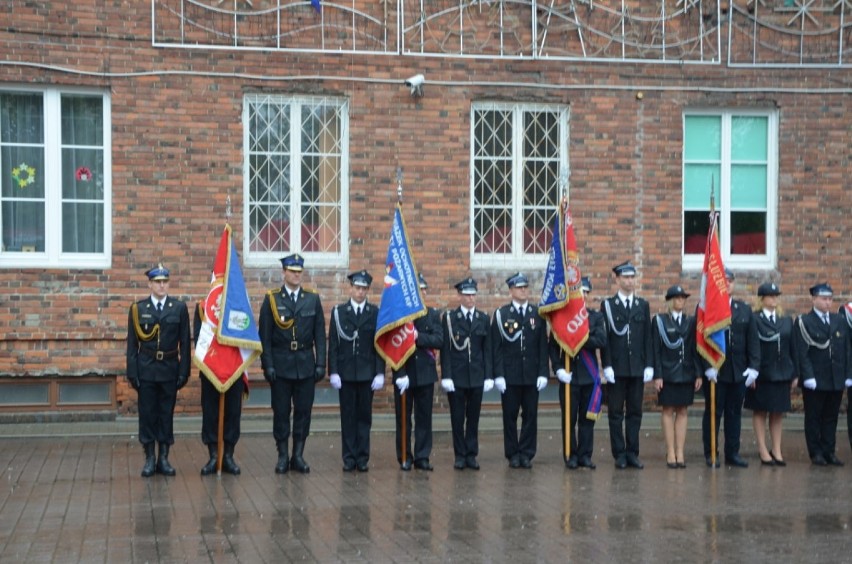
[676, 395]
[772, 397]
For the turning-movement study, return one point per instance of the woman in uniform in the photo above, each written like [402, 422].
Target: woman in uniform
[675, 378]
[770, 394]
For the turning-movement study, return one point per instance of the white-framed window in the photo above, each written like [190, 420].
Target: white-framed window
[296, 179]
[734, 152]
[55, 178]
[517, 152]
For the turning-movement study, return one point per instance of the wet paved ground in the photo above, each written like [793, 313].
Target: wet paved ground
[80, 498]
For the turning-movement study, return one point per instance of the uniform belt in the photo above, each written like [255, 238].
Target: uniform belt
[159, 355]
[297, 346]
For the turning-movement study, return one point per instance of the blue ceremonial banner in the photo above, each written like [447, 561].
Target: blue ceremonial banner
[401, 300]
[317, 5]
[238, 327]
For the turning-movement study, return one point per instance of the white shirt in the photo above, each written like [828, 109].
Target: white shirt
[520, 307]
[356, 307]
[625, 299]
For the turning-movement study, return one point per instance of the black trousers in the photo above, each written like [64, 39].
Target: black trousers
[582, 434]
[465, 406]
[729, 402]
[523, 400]
[625, 406]
[300, 395]
[418, 401]
[822, 410]
[356, 420]
[156, 404]
[210, 412]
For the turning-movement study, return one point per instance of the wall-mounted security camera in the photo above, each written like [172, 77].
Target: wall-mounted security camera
[416, 84]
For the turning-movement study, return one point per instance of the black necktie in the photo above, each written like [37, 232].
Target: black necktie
[628, 304]
[358, 312]
[677, 320]
[159, 307]
[470, 317]
[825, 318]
[523, 311]
[293, 296]
[772, 318]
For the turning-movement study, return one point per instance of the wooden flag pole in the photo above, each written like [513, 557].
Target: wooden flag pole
[404, 413]
[220, 443]
[568, 431]
[713, 454]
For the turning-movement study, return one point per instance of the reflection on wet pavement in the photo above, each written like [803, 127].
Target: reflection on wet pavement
[81, 499]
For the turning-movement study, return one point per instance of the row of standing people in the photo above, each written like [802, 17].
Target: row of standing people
[510, 352]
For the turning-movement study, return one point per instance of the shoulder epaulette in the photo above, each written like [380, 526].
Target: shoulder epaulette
[309, 290]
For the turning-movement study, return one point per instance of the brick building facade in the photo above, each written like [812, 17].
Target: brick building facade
[177, 152]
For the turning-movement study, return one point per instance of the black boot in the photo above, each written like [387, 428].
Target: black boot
[297, 462]
[210, 467]
[150, 461]
[283, 463]
[163, 466]
[229, 465]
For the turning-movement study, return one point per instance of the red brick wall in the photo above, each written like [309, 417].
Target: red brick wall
[177, 155]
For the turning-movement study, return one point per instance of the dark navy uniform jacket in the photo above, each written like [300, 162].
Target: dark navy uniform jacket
[631, 353]
[167, 355]
[351, 350]
[293, 352]
[524, 359]
[829, 366]
[675, 365]
[777, 353]
[471, 366]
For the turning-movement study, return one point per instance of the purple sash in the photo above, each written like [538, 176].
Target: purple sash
[593, 411]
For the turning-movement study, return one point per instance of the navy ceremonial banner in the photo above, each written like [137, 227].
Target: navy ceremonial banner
[401, 300]
[562, 299]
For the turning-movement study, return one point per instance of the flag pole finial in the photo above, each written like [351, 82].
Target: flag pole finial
[399, 185]
[712, 194]
[563, 184]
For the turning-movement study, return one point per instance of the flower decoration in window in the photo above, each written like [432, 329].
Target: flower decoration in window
[83, 174]
[23, 175]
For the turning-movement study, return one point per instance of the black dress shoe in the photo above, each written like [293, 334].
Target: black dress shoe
[770, 462]
[471, 463]
[833, 460]
[525, 462]
[515, 462]
[672, 465]
[348, 466]
[633, 460]
[405, 466]
[681, 465]
[777, 461]
[736, 460]
[818, 460]
[423, 464]
[621, 462]
[571, 463]
[710, 463]
[586, 462]
[362, 467]
[459, 464]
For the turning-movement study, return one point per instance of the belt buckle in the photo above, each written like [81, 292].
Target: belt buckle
[294, 345]
[159, 355]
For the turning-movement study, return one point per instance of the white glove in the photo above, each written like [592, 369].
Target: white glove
[848, 383]
[563, 376]
[402, 384]
[500, 384]
[751, 376]
[540, 383]
[448, 385]
[810, 383]
[648, 375]
[378, 382]
[335, 382]
[609, 375]
[489, 384]
[712, 374]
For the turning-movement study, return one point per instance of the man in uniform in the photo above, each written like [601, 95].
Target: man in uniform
[158, 362]
[292, 332]
[210, 415]
[739, 371]
[825, 365]
[416, 379]
[466, 371]
[355, 369]
[585, 381]
[519, 340]
[628, 365]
